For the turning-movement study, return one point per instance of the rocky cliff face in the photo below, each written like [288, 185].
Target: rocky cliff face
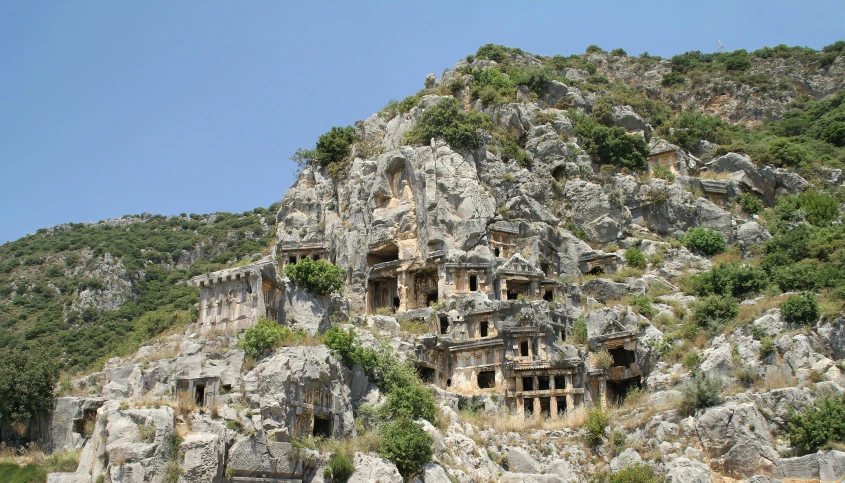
[510, 283]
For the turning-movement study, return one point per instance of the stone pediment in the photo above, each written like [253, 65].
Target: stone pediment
[517, 265]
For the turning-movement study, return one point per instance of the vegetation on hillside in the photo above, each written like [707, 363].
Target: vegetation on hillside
[41, 276]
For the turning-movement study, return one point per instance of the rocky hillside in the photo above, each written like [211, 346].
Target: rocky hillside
[586, 268]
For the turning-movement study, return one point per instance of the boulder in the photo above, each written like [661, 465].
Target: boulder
[520, 461]
[736, 438]
[370, 468]
[203, 458]
[629, 457]
[685, 470]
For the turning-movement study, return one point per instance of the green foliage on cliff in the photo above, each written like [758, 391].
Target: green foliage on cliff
[819, 425]
[42, 275]
[448, 119]
[27, 381]
[317, 276]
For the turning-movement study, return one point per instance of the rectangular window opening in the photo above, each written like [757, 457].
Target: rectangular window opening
[561, 405]
[523, 348]
[322, 427]
[473, 283]
[543, 383]
[199, 395]
[486, 379]
[527, 383]
[444, 324]
[560, 382]
[483, 328]
[529, 406]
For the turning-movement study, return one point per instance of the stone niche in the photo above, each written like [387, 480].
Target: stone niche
[315, 413]
[424, 289]
[200, 390]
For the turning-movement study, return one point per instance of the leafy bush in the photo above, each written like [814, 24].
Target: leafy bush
[705, 240]
[411, 402]
[264, 336]
[691, 360]
[612, 145]
[380, 365]
[407, 445]
[714, 311]
[339, 468]
[800, 309]
[692, 126]
[819, 208]
[643, 305]
[634, 258]
[767, 347]
[579, 331]
[448, 119]
[733, 279]
[594, 49]
[27, 381]
[663, 172]
[738, 60]
[620, 52]
[699, 392]
[597, 421]
[636, 473]
[672, 78]
[316, 276]
[819, 425]
[750, 203]
[512, 150]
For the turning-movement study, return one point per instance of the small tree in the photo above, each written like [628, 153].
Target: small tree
[411, 402]
[800, 309]
[819, 425]
[634, 258]
[264, 336]
[705, 240]
[27, 380]
[712, 312]
[597, 421]
[317, 276]
[579, 331]
[750, 203]
[448, 119]
[700, 391]
[407, 445]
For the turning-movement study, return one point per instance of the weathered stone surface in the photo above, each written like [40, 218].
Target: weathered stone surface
[372, 468]
[736, 438]
[685, 470]
[520, 461]
[203, 458]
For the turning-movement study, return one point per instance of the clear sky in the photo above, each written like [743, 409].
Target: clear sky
[111, 108]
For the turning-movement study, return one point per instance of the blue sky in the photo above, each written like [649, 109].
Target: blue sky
[112, 108]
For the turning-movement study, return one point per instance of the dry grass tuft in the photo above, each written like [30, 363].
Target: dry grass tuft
[749, 313]
[65, 461]
[506, 420]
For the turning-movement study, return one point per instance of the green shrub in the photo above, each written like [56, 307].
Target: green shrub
[636, 473]
[800, 309]
[512, 150]
[662, 172]
[411, 402]
[579, 331]
[738, 60]
[643, 305]
[767, 347]
[714, 311]
[27, 382]
[407, 445]
[147, 432]
[750, 203]
[448, 119]
[691, 360]
[316, 276]
[611, 145]
[733, 279]
[594, 49]
[700, 391]
[818, 426]
[12, 473]
[620, 52]
[705, 240]
[339, 468]
[380, 365]
[264, 336]
[597, 421]
[672, 78]
[634, 258]
[819, 208]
